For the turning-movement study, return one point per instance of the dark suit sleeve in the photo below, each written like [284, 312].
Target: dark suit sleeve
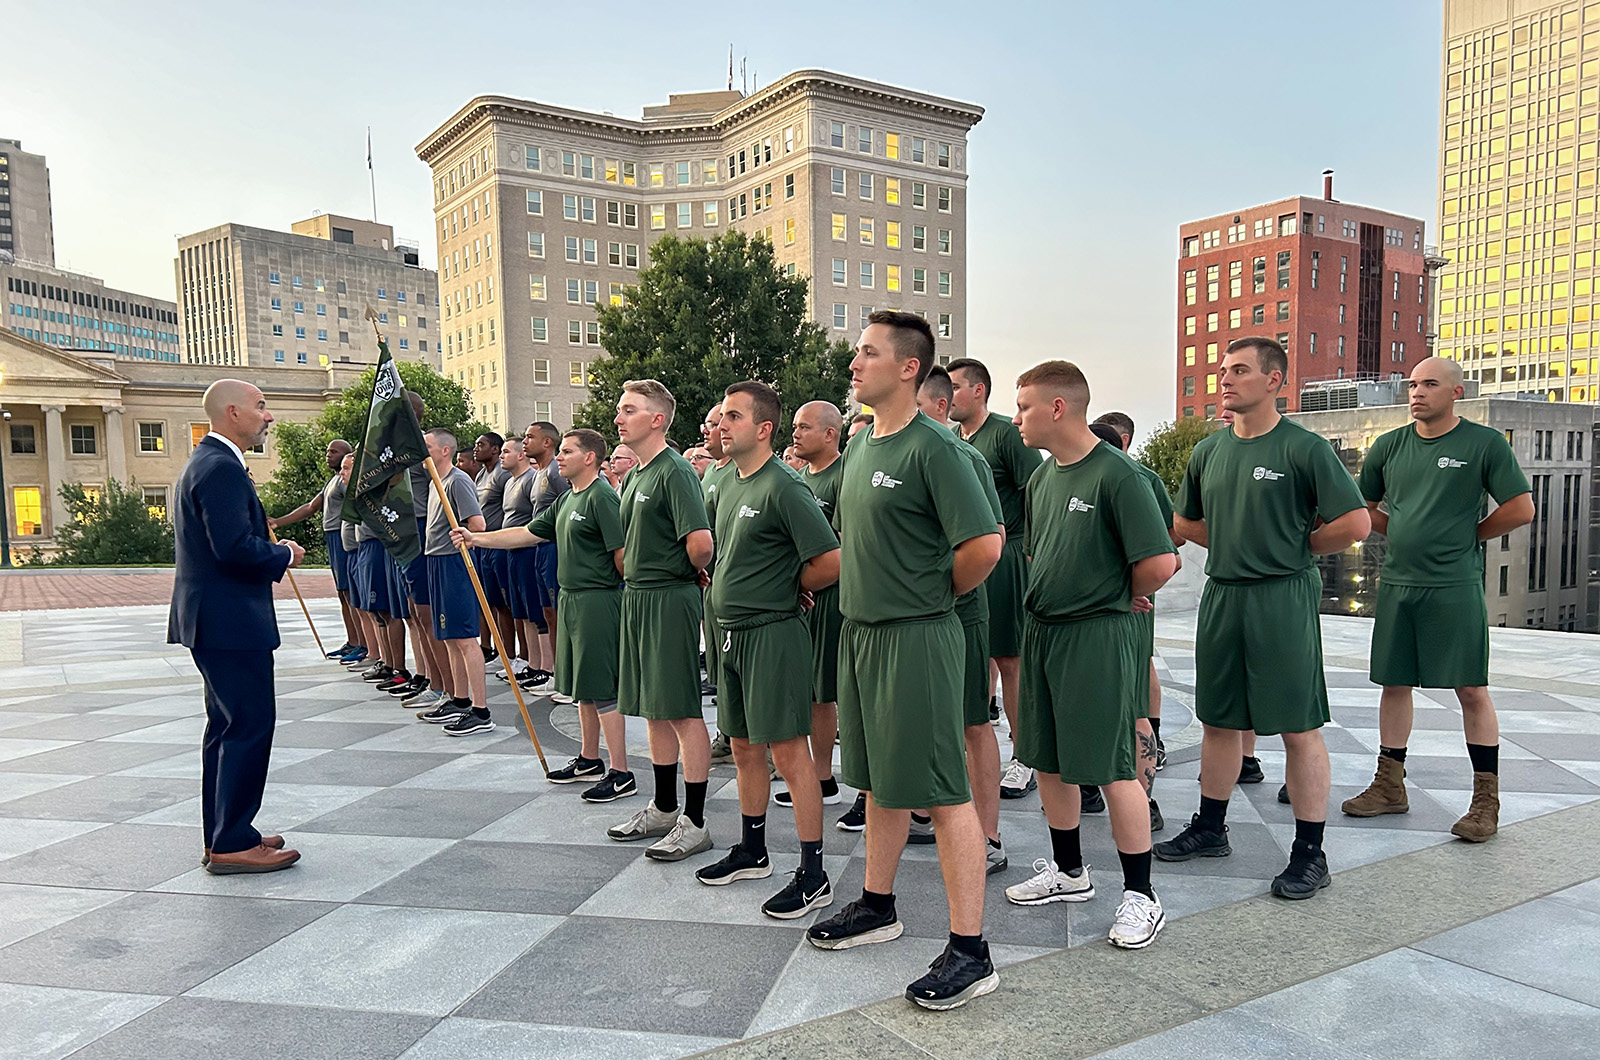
[225, 506]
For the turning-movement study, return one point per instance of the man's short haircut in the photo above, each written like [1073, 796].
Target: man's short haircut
[1120, 420]
[1063, 377]
[1269, 355]
[340, 445]
[1107, 433]
[938, 385]
[493, 437]
[767, 407]
[418, 406]
[446, 440]
[549, 430]
[656, 395]
[980, 373]
[912, 337]
[589, 441]
[674, 446]
[861, 417]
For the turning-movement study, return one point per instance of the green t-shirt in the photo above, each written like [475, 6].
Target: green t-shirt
[1159, 488]
[905, 502]
[1434, 488]
[1012, 464]
[1260, 497]
[710, 482]
[586, 526]
[1087, 524]
[661, 505]
[824, 486]
[768, 527]
[973, 607]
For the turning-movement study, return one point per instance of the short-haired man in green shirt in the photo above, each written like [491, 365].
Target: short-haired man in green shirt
[1251, 496]
[1432, 627]
[774, 545]
[916, 532]
[721, 467]
[1012, 464]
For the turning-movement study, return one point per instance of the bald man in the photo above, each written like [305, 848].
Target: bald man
[222, 612]
[1425, 485]
[328, 503]
[623, 460]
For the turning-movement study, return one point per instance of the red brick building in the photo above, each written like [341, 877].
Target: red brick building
[1344, 288]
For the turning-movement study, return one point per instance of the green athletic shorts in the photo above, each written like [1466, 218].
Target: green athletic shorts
[823, 622]
[900, 731]
[765, 692]
[587, 626]
[1005, 586]
[658, 672]
[713, 639]
[975, 674]
[1147, 652]
[1431, 637]
[1075, 712]
[1258, 655]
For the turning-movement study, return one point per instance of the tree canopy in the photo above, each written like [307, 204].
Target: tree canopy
[109, 527]
[1166, 451]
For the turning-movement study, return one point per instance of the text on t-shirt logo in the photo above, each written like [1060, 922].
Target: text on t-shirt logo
[1076, 505]
[880, 479]
[639, 497]
[747, 512]
[1267, 473]
[1445, 461]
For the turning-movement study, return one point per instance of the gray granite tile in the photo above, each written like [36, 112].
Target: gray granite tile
[188, 730]
[1581, 747]
[329, 734]
[283, 806]
[373, 768]
[420, 736]
[17, 785]
[456, 1038]
[508, 877]
[332, 868]
[1232, 1034]
[90, 759]
[100, 799]
[12, 750]
[417, 812]
[1543, 944]
[44, 1023]
[120, 856]
[848, 1036]
[29, 910]
[20, 835]
[489, 771]
[1515, 775]
[1584, 896]
[561, 817]
[83, 727]
[187, 1028]
[657, 891]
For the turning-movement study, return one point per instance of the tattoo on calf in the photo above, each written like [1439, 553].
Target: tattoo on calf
[1147, 757]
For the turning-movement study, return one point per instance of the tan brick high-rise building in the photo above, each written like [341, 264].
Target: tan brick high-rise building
[27, 227]
[543, 212]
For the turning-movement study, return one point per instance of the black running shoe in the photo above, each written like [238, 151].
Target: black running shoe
[376, 672]
[488, 652]
[1250, 771]
[1093, 800]
[799, 897]
[1283, 795]
[1306, 874]
[342, 649]
[1161, 754]
[738, 864]
[408, 688]
[994, 709]
[470, 723]
[613, 786]
[395, 680]
[1194, 842]
[953, 979]
[707, 689]
[857, 924]
[1157, 822]
[448, 711]
[855, 818]
[921, 831]
[577, 771]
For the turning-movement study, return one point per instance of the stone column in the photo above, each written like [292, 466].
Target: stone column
[116, 444]
[55, 462]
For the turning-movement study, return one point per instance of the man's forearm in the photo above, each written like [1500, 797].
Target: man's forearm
[509, 537]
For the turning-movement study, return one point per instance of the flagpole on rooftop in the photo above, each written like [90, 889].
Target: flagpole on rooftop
[372, 179]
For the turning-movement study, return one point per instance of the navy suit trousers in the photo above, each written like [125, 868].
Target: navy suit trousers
[240, 715]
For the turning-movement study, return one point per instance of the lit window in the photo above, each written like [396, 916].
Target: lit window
[891, 190]
[891, 145]
[891, 234]
[536, 288]
[658, 218]
[867, 231]
[891, 278]
[708, 212]
[535, 244]
[27, 506]
[152, 438]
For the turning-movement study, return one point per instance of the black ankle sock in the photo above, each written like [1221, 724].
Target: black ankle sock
[878, 903]
[1309, 833]
[811, 859]
[694, 801]
[1155, 727]
[830, 786]
[480, 712]
[1396, 753]
[1485, 757]
[754, 836]
[972, 945]
[666, 787]
[1136, 873]
[1213, 814]
[1068, 850]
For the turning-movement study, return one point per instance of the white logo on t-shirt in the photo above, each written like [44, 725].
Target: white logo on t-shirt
[1268, 474]
[1076, 505]
[577, 517]
[880, 479]
[747, 512]
[1445, 461]
[637, 497]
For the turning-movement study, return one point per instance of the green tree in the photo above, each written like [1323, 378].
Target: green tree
[708, 313]
[109, 527]
[1166, 451]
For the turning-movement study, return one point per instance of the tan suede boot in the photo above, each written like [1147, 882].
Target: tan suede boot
[1483, 816]
[1386, 793]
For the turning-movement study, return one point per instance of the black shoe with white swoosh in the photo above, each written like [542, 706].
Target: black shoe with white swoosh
[802, 895]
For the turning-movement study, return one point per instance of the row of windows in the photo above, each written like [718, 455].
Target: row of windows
[841, 317]
[867, 274]
[120, 349]
[1287, 225]
[577, 372]
[52, 316]
[867, 232]
[121, 306]
[27, 507]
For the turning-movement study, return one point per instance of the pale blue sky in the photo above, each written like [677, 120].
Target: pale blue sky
[1108, 125]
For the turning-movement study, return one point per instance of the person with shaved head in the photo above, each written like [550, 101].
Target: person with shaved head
[327, 503]
[1425, 485]
[222, 612]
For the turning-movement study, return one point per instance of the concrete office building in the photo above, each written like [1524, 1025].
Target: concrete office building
[1344, 288]
[72, 311]
[1540, 576]
[544, 211]
[27, 232]
[1519, 171]
[252, 296]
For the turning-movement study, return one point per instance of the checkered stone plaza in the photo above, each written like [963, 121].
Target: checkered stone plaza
[452, 903]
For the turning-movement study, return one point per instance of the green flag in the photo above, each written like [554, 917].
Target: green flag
[379, 495]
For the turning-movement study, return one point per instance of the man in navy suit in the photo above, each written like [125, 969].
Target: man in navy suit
[222, 612]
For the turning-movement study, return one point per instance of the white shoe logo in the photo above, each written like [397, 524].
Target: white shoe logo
[1268, 474]
[1445, 461]
[1076, 505]
[880, 479]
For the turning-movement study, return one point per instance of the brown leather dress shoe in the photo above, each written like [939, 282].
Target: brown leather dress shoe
[273, 841]
[257, 859]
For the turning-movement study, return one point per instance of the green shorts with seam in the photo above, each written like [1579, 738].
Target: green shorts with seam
[713, 638]
[658, 671]
[1430, 636]
[1005, 587]
[587, 627]
[1147, 652]
[1075, 710]
[764, 695]
[823, 622]
[975, 674]
[900, 731]
[1258, 655]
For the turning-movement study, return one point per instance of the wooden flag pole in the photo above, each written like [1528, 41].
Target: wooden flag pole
[303, 609]
[488, 616]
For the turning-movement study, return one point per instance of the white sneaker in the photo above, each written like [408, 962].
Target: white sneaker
[1139, 921]
[562, 698]
[685, 840]
[646, 824]
[1017, 780]
[1050, 884]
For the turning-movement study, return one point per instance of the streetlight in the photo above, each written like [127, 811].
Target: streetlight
[5, 516]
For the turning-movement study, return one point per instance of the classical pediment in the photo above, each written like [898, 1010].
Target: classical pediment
[36, 372]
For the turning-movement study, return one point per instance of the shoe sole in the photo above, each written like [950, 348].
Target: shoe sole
[1279, 893]
[579, 779]
[437, 721]
[827, 800]
[920, 840]
[1348, 812]
[1211, 852]
[997, 866]
[1121, 945]
[821, 901]
[678, 855]
[1474, 838]
[722, 761]
[243, 870]
[612, 797]
[1093, 809]
[651, 834]
[1019, 793]
[887, 933]
[1070, 896]
[987, 985]
[1251, 780]
[841, 826]
[738, 874]
[487, 726]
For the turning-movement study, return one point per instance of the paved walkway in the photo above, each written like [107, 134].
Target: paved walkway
[454, 904]
[40, 590]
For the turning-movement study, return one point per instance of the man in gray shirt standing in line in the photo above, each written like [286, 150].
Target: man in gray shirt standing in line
[540, 444]
[491, 481]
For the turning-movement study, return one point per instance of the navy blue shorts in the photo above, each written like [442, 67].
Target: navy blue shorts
[455, 605]
[416, 572]
[522, 589]
[490, 565]
[544, 568]
[338, 559]
[399, 593]
[372, 579]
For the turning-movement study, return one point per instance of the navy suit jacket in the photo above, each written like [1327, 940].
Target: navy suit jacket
[222, 593]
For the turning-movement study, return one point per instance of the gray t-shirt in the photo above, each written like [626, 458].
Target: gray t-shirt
[422, 489]
[548, 486]
[362, 533]
[463, 498]
[332, 501]
[348, 537]
[491, 482]
[518, 499]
